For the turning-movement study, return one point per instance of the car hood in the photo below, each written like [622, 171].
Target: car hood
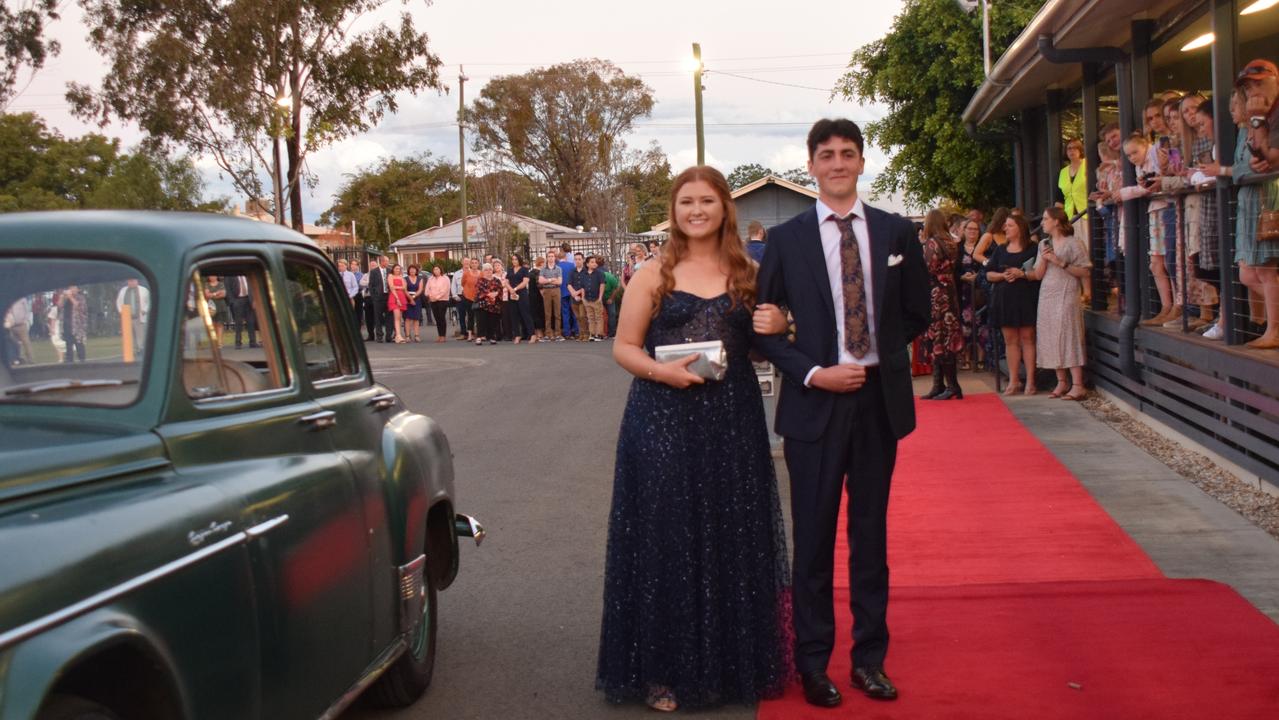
[40, 456]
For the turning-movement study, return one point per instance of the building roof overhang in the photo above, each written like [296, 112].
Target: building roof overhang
[1022, 75]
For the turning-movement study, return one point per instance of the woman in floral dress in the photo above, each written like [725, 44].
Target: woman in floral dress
[945, 335]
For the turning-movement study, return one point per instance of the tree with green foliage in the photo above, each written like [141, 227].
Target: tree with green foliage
[645, 185]
[41, 170]
[562, 128]
[744, 175]
[925, 70]
[235, 79]
[147, 179]
[799, 176]
[396, 197]
[24, 45]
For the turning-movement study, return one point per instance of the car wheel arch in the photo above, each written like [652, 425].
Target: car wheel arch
[127, 674]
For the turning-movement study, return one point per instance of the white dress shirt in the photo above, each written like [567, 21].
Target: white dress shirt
[830, 233]
[352, 285]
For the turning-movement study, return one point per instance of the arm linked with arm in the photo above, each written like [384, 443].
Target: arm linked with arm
[770, 288]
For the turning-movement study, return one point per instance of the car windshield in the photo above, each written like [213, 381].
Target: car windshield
[75, 331]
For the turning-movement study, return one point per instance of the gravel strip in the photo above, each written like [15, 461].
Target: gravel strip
[1260, 508]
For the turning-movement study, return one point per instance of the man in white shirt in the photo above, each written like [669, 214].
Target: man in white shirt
[17, 321]
[138, 301]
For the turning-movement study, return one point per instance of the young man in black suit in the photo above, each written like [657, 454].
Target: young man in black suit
[855, 282]
[379, 288]
[240, 300]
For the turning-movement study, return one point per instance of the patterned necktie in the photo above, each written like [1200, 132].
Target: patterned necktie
[856, 327]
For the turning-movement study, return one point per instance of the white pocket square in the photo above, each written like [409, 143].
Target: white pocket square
[894, 260]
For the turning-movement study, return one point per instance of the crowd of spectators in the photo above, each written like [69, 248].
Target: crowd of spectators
[562, 296]
[1176, 162]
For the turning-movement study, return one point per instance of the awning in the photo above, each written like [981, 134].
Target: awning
[1021, 77]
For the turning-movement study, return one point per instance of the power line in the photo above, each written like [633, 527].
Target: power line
[770, 82]
[665, 62]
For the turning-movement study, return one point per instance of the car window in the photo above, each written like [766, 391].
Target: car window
[317, 312]
[229, 341]
[75, 331]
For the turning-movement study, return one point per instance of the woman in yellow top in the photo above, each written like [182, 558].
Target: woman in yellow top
[1072, 187]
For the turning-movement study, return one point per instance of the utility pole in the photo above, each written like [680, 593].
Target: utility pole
[461, 144]
[697, 103]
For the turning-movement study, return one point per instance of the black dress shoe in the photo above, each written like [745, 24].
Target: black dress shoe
[873, 682]
[819, 690]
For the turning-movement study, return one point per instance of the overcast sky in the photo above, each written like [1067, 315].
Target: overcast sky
[804, 43]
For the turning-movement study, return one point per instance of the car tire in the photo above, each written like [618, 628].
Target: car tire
[73, 707]
[405, 681]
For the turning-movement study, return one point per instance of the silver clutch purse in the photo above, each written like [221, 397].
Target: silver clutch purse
[711, 362]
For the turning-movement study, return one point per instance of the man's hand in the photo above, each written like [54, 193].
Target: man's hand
[839, 378]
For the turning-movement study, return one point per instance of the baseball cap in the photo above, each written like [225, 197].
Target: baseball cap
[1257, 70]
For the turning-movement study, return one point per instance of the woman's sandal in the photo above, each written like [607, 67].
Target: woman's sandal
[1059, 390]
[1012, 389]
[661, 699]
[1073, 396]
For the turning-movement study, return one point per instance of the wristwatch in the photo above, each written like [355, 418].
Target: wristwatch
[1258, 121]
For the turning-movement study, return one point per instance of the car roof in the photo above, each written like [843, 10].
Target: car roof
[134, 232]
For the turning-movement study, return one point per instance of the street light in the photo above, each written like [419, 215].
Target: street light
[698, 69]
[970, 5]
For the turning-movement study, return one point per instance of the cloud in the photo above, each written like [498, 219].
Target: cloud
[788, 157]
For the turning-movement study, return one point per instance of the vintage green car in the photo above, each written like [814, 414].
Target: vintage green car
[208, 507]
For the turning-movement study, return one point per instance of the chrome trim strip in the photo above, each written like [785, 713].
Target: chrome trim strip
[379, 666]
[263, 528]
[93, 602]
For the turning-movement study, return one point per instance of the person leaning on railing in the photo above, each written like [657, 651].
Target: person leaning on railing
[1257, 252]
[1109, 180]
[1138, 151]
[1190, 145]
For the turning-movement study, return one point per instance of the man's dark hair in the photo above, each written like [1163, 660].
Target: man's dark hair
[579, 254]
[825, 129]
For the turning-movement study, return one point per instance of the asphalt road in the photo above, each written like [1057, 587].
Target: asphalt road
[533, 431]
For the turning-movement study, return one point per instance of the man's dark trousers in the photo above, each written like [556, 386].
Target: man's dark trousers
[857, 446]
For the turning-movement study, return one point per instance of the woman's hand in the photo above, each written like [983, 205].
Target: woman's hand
[768, 319]
[968, 277]
[676, 374]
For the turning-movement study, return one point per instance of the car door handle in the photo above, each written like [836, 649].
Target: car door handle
[384, 401]
[322, 420]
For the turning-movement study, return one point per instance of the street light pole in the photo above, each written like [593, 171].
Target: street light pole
[461, 144]
[697, 103]
[985, 35]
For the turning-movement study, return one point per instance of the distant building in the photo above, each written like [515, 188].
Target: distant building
[444, 241]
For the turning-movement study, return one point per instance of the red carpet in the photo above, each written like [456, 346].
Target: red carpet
[1016, 596]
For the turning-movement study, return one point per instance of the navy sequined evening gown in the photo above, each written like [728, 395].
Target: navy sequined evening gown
[696, 585]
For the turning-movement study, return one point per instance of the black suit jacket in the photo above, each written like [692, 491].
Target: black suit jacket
[793, 275]
[232, 285]
[378, 279]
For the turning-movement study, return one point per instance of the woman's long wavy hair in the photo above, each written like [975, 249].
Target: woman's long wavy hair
[935, 227]
[732, 254]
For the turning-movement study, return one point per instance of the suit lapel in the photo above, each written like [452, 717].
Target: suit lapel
[877, 226]
[815, 256]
